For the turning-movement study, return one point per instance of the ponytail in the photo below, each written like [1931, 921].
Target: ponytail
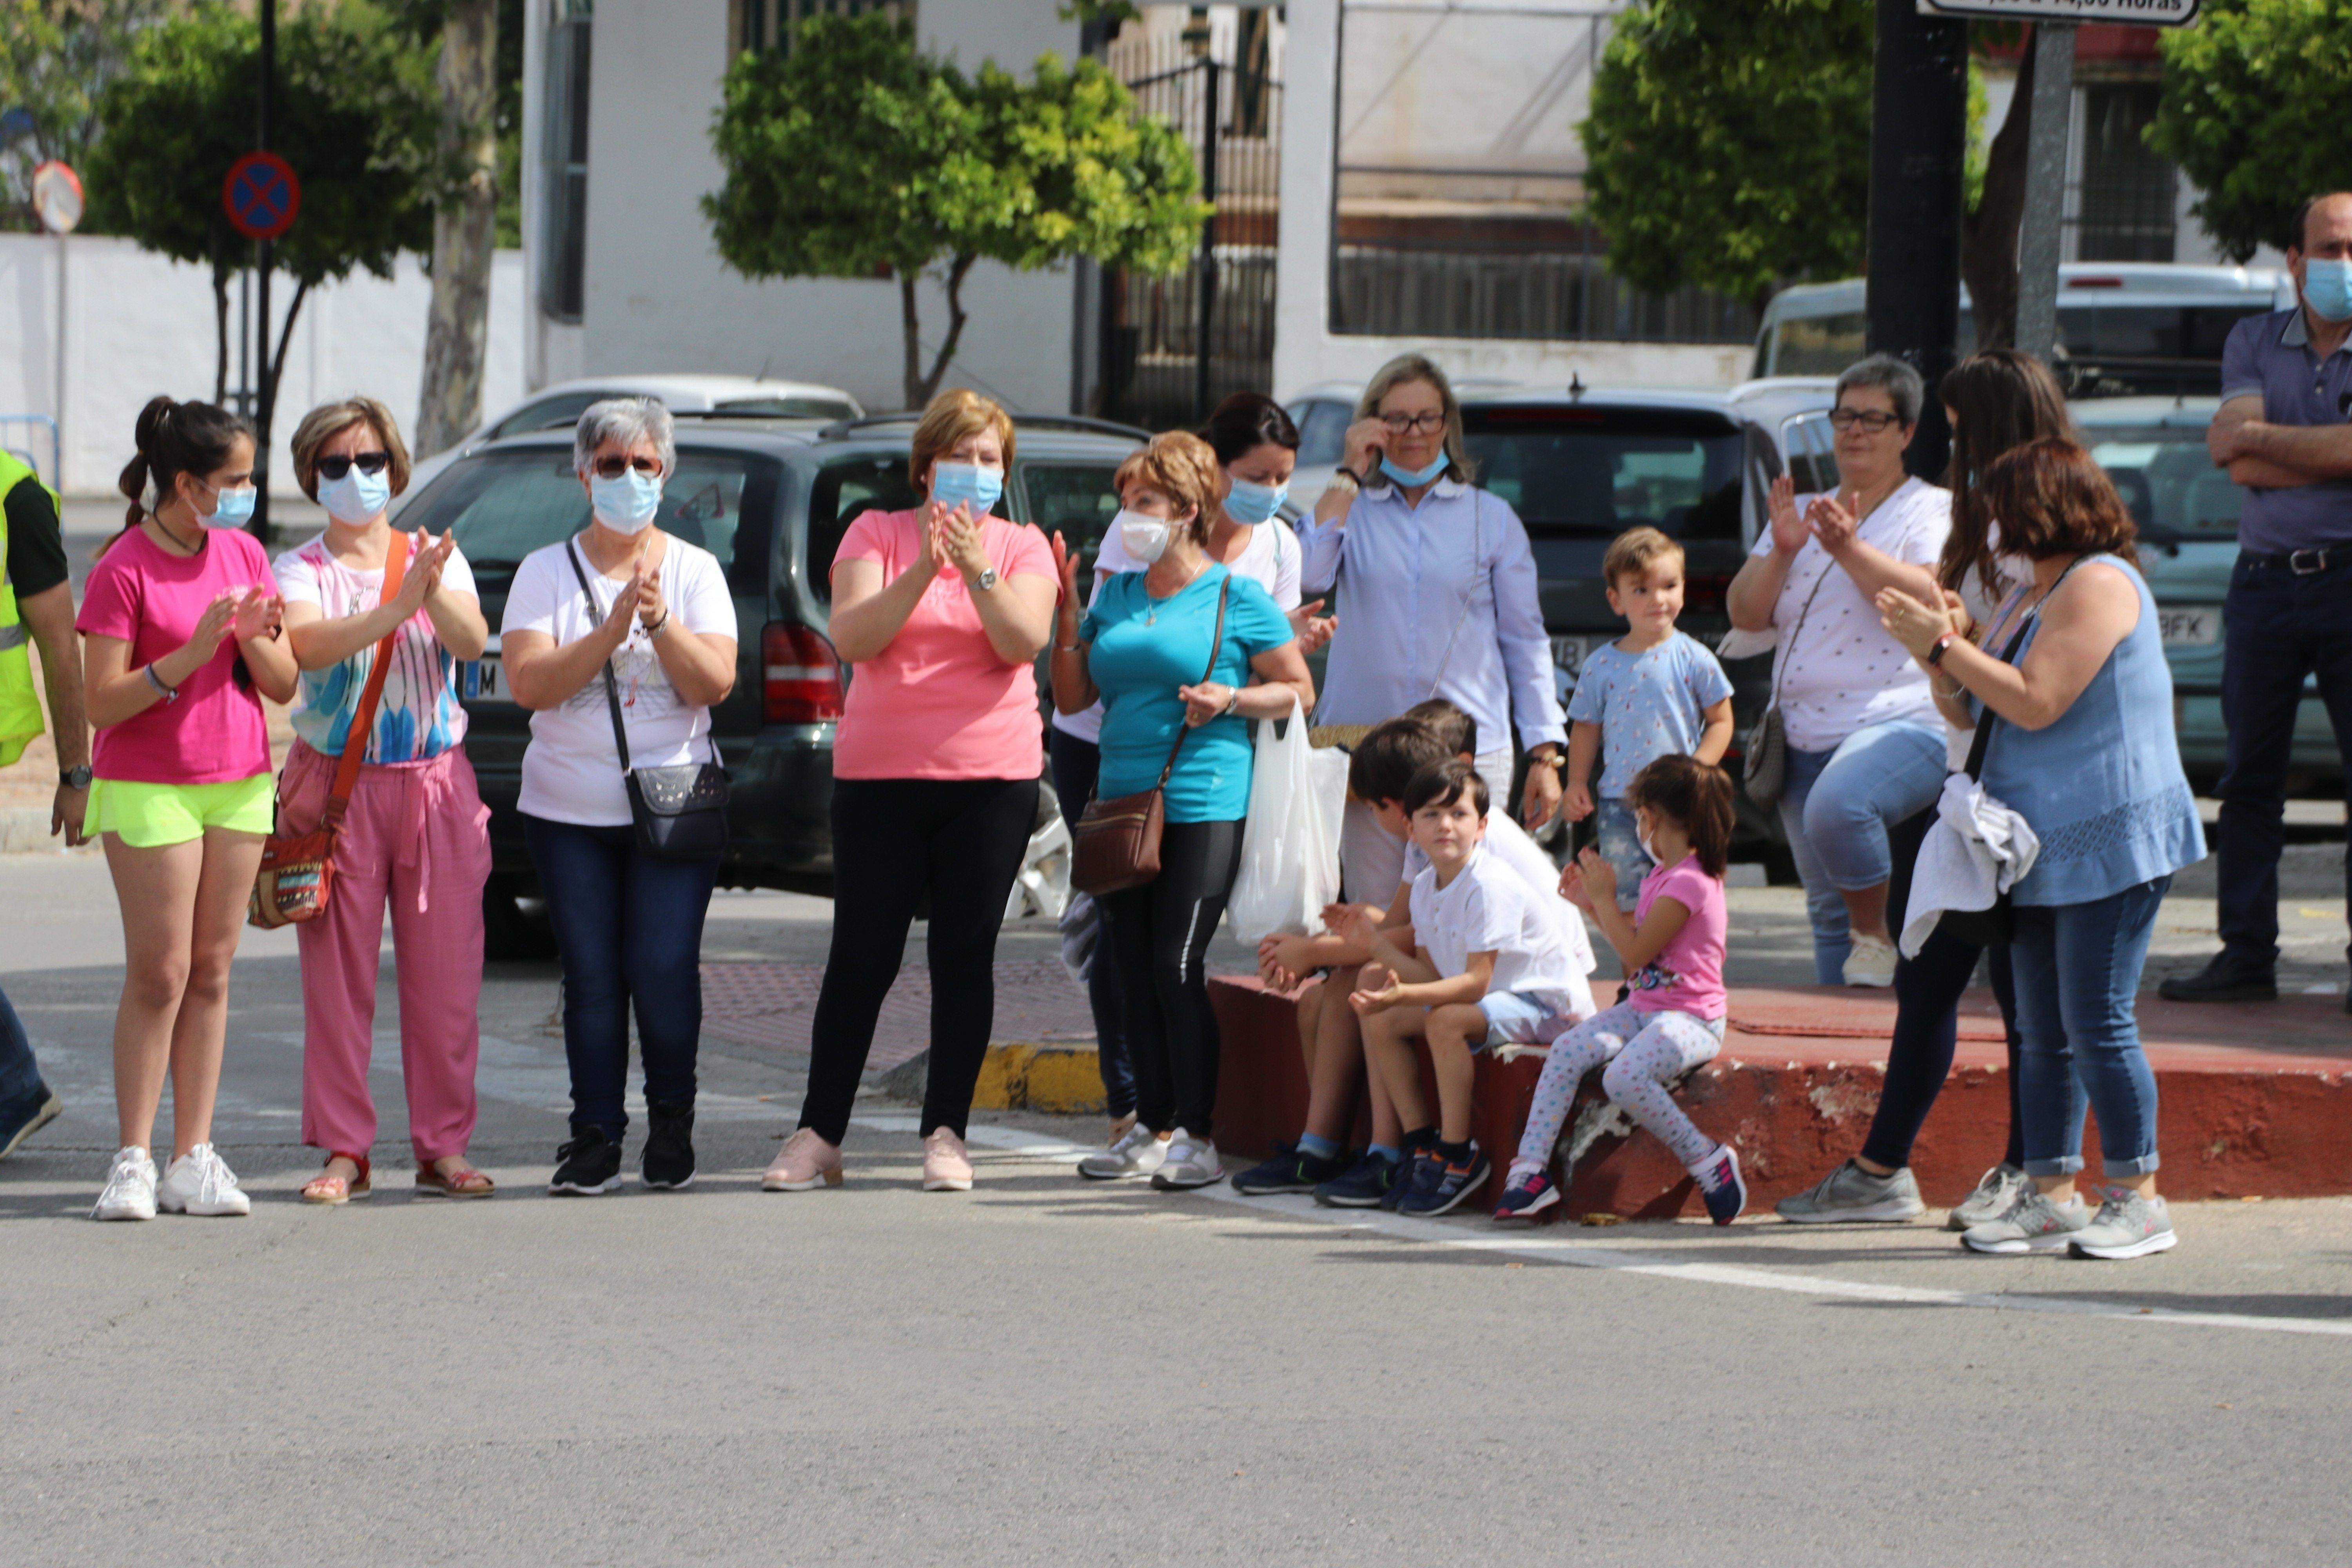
[175, 438]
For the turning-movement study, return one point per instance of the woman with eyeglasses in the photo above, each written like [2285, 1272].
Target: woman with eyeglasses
[1865, 744]
[1435, 587]
[414, 833]
[624, 607]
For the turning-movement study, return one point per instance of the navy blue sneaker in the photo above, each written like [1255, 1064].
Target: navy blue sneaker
[23, 1118]
[1526, 1194]
[1439, 1187]
[1290, 1170]
[1720, 1184]
[1365, 1184]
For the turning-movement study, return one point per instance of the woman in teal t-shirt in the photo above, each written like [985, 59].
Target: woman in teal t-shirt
[1143, 647]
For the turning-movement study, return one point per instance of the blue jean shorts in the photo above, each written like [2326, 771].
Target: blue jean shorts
[1521, 1019]
[1617, 836]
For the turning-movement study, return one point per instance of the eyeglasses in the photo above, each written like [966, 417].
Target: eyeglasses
[340, 464]
[1414, 424]
[1871, 420]
[614, 467]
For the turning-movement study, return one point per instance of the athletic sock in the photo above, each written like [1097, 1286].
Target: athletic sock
[1421, 1138]
[1316, 1148]
[1455, 1154]
[1389, 1151]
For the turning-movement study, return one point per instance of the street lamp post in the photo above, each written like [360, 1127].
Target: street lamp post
[1919, 150]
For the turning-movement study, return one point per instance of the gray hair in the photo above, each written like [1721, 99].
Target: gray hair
[1420, 368]
[627, 420]
[1891, 375]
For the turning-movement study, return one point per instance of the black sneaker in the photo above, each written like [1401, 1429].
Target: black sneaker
[588, 1165]
[2226, 978]
[1439, 1186]
[1289, 1170]
[23, 1118]
[1361, 1186]
[668, 1160]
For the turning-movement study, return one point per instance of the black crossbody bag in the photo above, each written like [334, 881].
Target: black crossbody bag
[680, 811]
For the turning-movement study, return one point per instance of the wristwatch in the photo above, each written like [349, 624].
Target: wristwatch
[75, 778]
[986, 580]
[1936, 654]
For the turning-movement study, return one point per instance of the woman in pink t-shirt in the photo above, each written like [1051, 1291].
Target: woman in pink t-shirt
[181, 639]
[1672, 1018]
[943, 611]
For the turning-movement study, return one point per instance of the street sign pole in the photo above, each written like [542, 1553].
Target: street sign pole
[2045, 189]
[1919, 151]
[265, 402]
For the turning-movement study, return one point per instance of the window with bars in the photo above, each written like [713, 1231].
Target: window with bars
[2126, 204]
[762, 23]
[561, 269]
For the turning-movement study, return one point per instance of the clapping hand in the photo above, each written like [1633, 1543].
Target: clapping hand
[1377, 990]
[424, 571]
[1831, 523]
[214, 625]
[957, 541]
[256, 613]
[626, 604]
[1313, 631]
[1914, 625]
[1789, 532]
[1588, 880]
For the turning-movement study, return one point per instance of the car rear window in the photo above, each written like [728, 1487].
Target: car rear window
[1074, 499]
[1597, 472]
[504, 505]
[2168, 482]
[869, 481]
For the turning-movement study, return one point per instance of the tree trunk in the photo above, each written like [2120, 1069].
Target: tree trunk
[464, 229]
[910, 327]
[956, 272]
[1988, 235]
[919, 387]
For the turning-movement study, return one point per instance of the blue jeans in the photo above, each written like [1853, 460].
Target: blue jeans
[2077, 971]
[628, 929]
[20, 1075]
[1836, 809]
[1076, 764]
[2278, 627]
[1619, 839]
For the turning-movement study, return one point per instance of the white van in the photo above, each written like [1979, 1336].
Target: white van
[2124, 327]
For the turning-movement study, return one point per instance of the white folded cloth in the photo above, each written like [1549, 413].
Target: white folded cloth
[1975, 849]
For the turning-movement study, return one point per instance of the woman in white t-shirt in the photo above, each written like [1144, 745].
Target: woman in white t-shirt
[414, 832]
[658, 619]
[1866, 746]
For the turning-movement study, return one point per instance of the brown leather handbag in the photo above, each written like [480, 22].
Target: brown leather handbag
[1117, 843]
[298, 870]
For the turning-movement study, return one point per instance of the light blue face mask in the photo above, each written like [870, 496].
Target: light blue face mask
[232, 508]
[960, 484]
[625, 504]
[358, 495]
[1413, 478]
[1250, 504]
[2328, 288]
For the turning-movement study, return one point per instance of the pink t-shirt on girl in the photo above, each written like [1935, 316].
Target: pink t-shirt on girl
[937, 702]
[153, 599]
[1687, 975]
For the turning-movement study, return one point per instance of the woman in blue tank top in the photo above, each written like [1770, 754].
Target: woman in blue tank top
[2084, 750]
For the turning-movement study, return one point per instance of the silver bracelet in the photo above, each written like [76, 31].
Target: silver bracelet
[168, 693]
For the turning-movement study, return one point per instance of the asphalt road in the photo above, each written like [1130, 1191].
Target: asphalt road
[1049, 1371]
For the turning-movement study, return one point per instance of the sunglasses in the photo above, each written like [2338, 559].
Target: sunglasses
[337, 466]
[614, 467]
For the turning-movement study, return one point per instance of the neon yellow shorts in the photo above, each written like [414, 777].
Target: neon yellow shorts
[150, 815]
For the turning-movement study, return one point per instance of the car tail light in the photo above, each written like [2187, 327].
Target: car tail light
[1704, 595]
[801, 676]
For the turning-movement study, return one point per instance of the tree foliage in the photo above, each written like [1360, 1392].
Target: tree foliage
[2253, 113]
[852, 155]
[56, 58]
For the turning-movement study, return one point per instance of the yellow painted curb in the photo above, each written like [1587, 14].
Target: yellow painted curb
[1062, 1080]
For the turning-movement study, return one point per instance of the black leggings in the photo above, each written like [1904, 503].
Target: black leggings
[1928, 991]
[961, 840]
[1160, 935]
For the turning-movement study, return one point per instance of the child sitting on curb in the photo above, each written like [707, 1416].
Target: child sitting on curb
[1487, 964]
[1673, 1018]
[1655, 693]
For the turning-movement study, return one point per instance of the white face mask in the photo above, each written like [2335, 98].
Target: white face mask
[1143, 538]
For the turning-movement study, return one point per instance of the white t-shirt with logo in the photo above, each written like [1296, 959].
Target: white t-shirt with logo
[572, 769]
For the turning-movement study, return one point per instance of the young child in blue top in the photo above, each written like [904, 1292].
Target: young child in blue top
[1653, 693]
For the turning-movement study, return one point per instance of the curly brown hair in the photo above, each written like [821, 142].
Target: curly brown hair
[2053, 499]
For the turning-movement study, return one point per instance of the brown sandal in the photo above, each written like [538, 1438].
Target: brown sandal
[469, 1183]
[335, 1191]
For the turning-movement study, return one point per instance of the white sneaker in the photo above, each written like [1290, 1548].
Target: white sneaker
[130, 1186]
[1190, 1162]
[200, 1182]
[1871, 962]
[1137, 1152]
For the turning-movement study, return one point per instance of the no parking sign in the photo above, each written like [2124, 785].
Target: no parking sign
[261, 196]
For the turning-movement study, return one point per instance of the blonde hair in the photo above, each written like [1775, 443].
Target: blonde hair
[329, 420]
[1181, 466]
[1632, 551]
[953, 414]
[1420, 368]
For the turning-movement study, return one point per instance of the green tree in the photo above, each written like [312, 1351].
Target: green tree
[355, 116]
[56, 58]
[852, 155]
[2252, 112]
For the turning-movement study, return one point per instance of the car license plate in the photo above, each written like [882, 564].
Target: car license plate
[485, 681]
[1569, 653]
[2197, 626]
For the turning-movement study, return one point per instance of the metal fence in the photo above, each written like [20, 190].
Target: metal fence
[1398, 289]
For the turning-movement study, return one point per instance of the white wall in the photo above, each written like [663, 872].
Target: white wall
[659, 298]
[138, 324]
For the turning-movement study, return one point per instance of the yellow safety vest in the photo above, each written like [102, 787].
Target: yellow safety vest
[20, 711]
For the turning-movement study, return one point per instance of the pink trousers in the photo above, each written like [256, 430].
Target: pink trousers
[417, 835]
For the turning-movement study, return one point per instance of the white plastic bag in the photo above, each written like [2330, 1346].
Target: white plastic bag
[1290, 842]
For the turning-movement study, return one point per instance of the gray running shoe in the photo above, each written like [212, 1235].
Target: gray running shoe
[2128, 1225]
[1851, 1194]
[1190, 1162]
[2034, 1223]
[1137, 1152]
[1996, 1191]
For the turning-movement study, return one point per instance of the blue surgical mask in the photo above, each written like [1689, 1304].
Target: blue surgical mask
[358, 495]
[1250, 504]
[2328, 288]
[1413, 478]
[960, 484]
[626, 504]
[232, 508]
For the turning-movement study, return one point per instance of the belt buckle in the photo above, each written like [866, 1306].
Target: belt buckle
[2306, 563]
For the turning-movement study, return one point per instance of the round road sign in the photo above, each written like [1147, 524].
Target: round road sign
[56, 196]
[262, 196]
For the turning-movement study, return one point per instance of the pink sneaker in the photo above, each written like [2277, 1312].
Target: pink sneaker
[946, 1167]
[806, 1160]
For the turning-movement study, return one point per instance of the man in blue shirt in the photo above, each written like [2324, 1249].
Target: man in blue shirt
[2283, 431]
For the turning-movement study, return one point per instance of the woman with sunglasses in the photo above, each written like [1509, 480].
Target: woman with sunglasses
[622, 607]
[415, 834]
